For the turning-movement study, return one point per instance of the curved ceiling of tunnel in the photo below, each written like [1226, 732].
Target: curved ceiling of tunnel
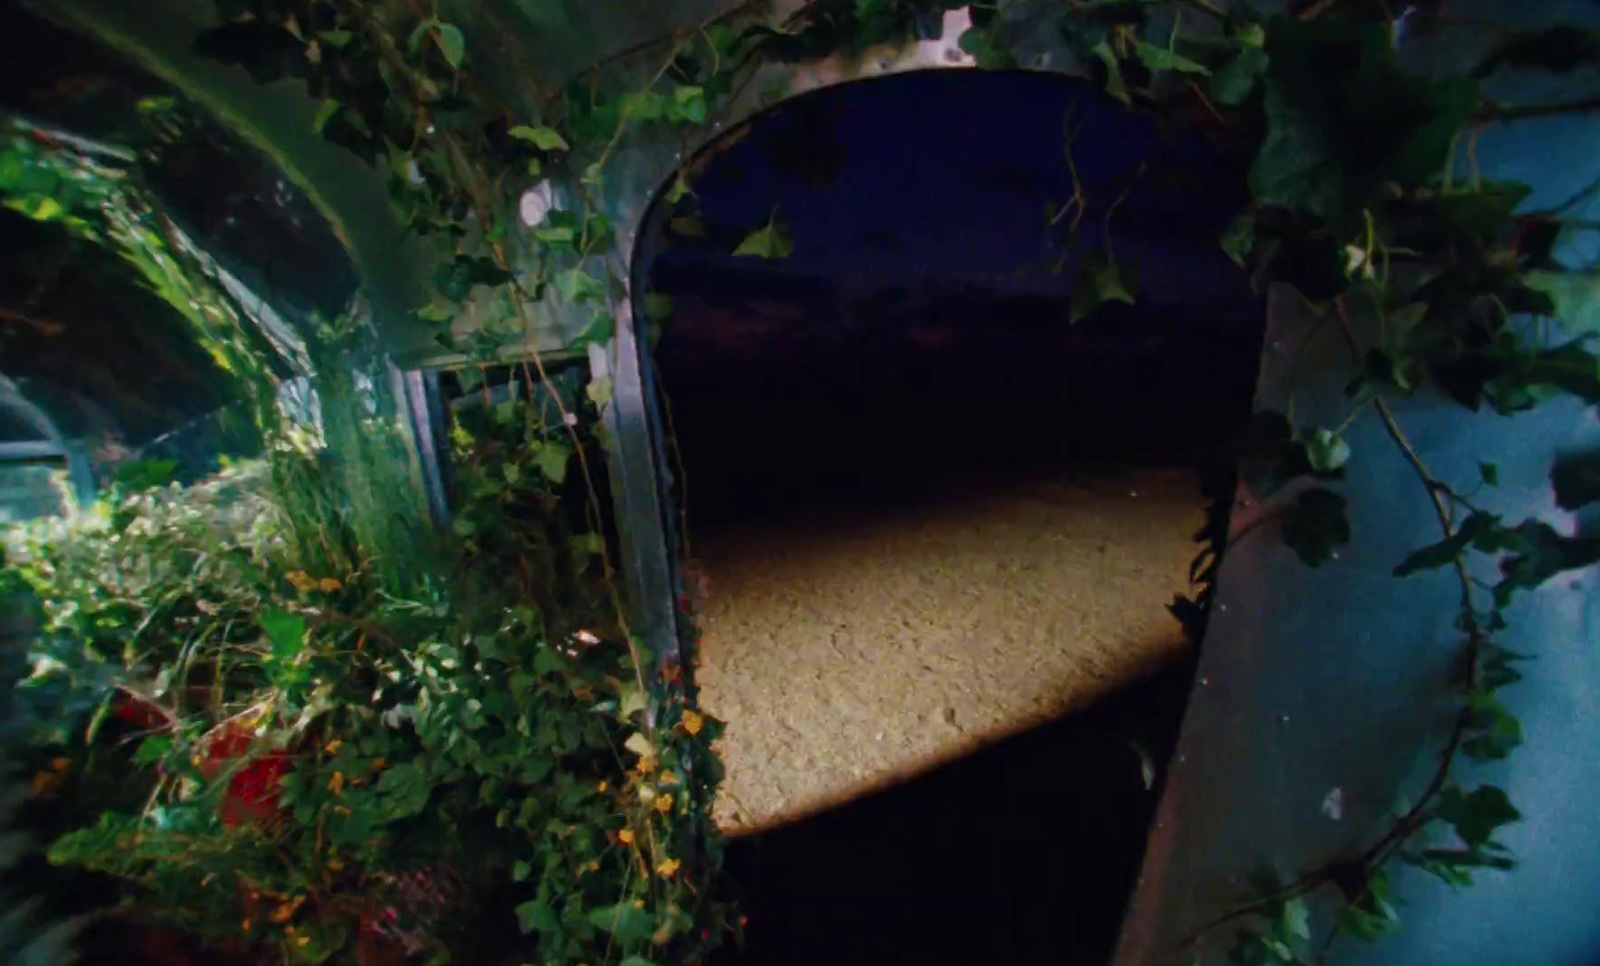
[919, 200]
[80, 332]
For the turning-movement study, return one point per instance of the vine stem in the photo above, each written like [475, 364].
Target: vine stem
[1413, 819]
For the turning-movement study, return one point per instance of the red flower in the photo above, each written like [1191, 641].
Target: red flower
[253, 791]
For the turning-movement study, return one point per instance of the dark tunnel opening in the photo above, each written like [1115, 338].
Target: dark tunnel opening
[901, 425]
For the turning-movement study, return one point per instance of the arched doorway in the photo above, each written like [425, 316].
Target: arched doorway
[927, 510]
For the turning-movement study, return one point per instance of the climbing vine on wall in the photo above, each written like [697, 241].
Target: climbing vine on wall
[1365, 200]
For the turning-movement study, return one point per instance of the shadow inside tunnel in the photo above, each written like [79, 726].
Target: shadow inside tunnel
[1025, 852]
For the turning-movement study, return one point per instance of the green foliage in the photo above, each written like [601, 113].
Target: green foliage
[1327, 79]
[446, 729]
[772, 241]
[1101, 279]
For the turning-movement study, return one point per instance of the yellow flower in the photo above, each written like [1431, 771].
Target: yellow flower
[332, 747]
[301, 580]
[336, 783]
[669, 777]
[303, 941]
[330, 585]
[379, 764]
[664, 804]
[646, 765]
[625, 836]
[668, 868]
[602, 787]
[692, 722]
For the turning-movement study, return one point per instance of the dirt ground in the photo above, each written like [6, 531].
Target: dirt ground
[849, 656]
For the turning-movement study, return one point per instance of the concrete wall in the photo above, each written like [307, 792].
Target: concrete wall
[1312, 681]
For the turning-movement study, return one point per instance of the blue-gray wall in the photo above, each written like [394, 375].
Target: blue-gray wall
[1338, 678]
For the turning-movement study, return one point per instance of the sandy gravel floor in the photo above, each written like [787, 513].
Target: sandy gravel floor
[848, 657]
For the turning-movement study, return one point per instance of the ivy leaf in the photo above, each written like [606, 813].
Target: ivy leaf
[1327, 450]
[451, 44]
[1232, 83]
[1474, 529]
[1476, 815]
[679, 189]
[519, 872]
[623, 921]
[1541, 553]
[286, 631]
[1315, 525]
[600, 391]
[688, 226]
[639, 744]
[1495, 669]
[577, 287]
[1100, 279]
[1297, 918]
[1160, 58]
[1326, 78]
[601, 329]
[1240, 237]
[141, 475]
[1115, 86]
[325, 113]
[543, 138]
[689, 104]
[1495, 732]
[152, 749]
[1577, 480]
[455, 279]
[537, 915]
[405, 789]
[561, 236]
[553, 460]
[772, 242]
[588, 543]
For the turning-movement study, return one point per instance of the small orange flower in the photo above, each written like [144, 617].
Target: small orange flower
[668, 777]
[646, 765]
[330, 585]
[664, 804]
[379, 764]
[625, 836]
[336, 783]
[602, 787]
[301, 580]
[332, 747]
[692, 722]
[668, 868]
